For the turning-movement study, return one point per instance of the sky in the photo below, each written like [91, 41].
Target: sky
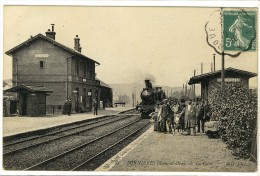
[165, 44]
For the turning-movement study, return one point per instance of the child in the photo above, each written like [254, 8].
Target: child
[177, 123]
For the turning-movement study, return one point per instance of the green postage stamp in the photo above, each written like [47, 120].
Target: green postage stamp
[239, 30]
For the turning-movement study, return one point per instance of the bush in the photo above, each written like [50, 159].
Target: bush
[236, 111]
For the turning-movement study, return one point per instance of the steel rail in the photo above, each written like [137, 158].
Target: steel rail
[78, 147]
[53, 133]
[59, 137]
[107, 149]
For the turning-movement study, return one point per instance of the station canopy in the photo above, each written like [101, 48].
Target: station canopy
[28, 88]
[216, 74]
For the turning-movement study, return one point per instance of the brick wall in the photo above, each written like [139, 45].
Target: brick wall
[57, 64]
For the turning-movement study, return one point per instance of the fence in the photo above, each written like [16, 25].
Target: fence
[54, 109]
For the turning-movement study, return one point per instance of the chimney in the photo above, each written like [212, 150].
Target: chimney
[51, 34]
[77, 44]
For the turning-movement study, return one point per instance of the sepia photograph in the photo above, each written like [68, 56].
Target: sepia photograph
[130, 88]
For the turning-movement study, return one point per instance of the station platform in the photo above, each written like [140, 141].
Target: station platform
[17, 125]
[154, 151]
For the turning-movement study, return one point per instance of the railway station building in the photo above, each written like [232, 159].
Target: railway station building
[212, 80]
[106, 94]
[42, 61]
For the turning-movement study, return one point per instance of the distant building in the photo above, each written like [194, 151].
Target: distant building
[42, 61]
[212, 80]
[106, 94]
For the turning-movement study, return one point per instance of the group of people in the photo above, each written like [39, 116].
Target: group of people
[67, 108]
[183, 116]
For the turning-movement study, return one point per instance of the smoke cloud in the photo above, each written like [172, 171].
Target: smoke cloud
[141, 75]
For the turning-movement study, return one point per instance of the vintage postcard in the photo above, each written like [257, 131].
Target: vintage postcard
[130, 88]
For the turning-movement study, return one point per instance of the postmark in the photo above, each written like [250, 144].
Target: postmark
[213, 31]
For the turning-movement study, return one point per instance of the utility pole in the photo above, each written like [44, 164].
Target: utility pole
[133, 99]
[211, 66]
[186, 89]
[223, 72]
[201, 71]
[194, 85]
[214, 61]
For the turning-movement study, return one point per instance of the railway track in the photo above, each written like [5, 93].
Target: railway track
[98, 159]
[32, 141]
[10, 140]
[19, 160]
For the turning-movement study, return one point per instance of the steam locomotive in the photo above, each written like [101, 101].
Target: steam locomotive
[150, 96]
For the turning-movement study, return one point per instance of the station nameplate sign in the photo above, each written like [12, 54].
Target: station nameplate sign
[41, 55]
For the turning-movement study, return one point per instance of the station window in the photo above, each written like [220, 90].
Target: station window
[41, 64]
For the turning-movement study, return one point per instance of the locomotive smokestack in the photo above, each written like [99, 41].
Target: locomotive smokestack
[147, 83]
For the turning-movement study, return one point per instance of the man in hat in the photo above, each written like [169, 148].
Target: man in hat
[170, 117]
[164, 115]
[182, 114]
[69, 105]
[95, 106]
[65, 108]
[200, 114]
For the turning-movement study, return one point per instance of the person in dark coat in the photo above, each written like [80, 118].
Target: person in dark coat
[182, 115]
[104, 104]
[206, 115]
[69, 105]
[165, 114]
[65, 108]
[170, 118]
[199, 115]
[95, 106]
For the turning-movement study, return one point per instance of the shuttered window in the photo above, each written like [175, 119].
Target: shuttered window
[41, 64]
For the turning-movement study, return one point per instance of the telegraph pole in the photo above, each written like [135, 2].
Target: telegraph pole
[223, 72]
[214, 61]
[194, 84]
[201, 68]
[133, 98]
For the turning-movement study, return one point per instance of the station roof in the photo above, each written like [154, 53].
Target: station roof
[228, 71]
[29, 88]
[103, 84]
[41, 36]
